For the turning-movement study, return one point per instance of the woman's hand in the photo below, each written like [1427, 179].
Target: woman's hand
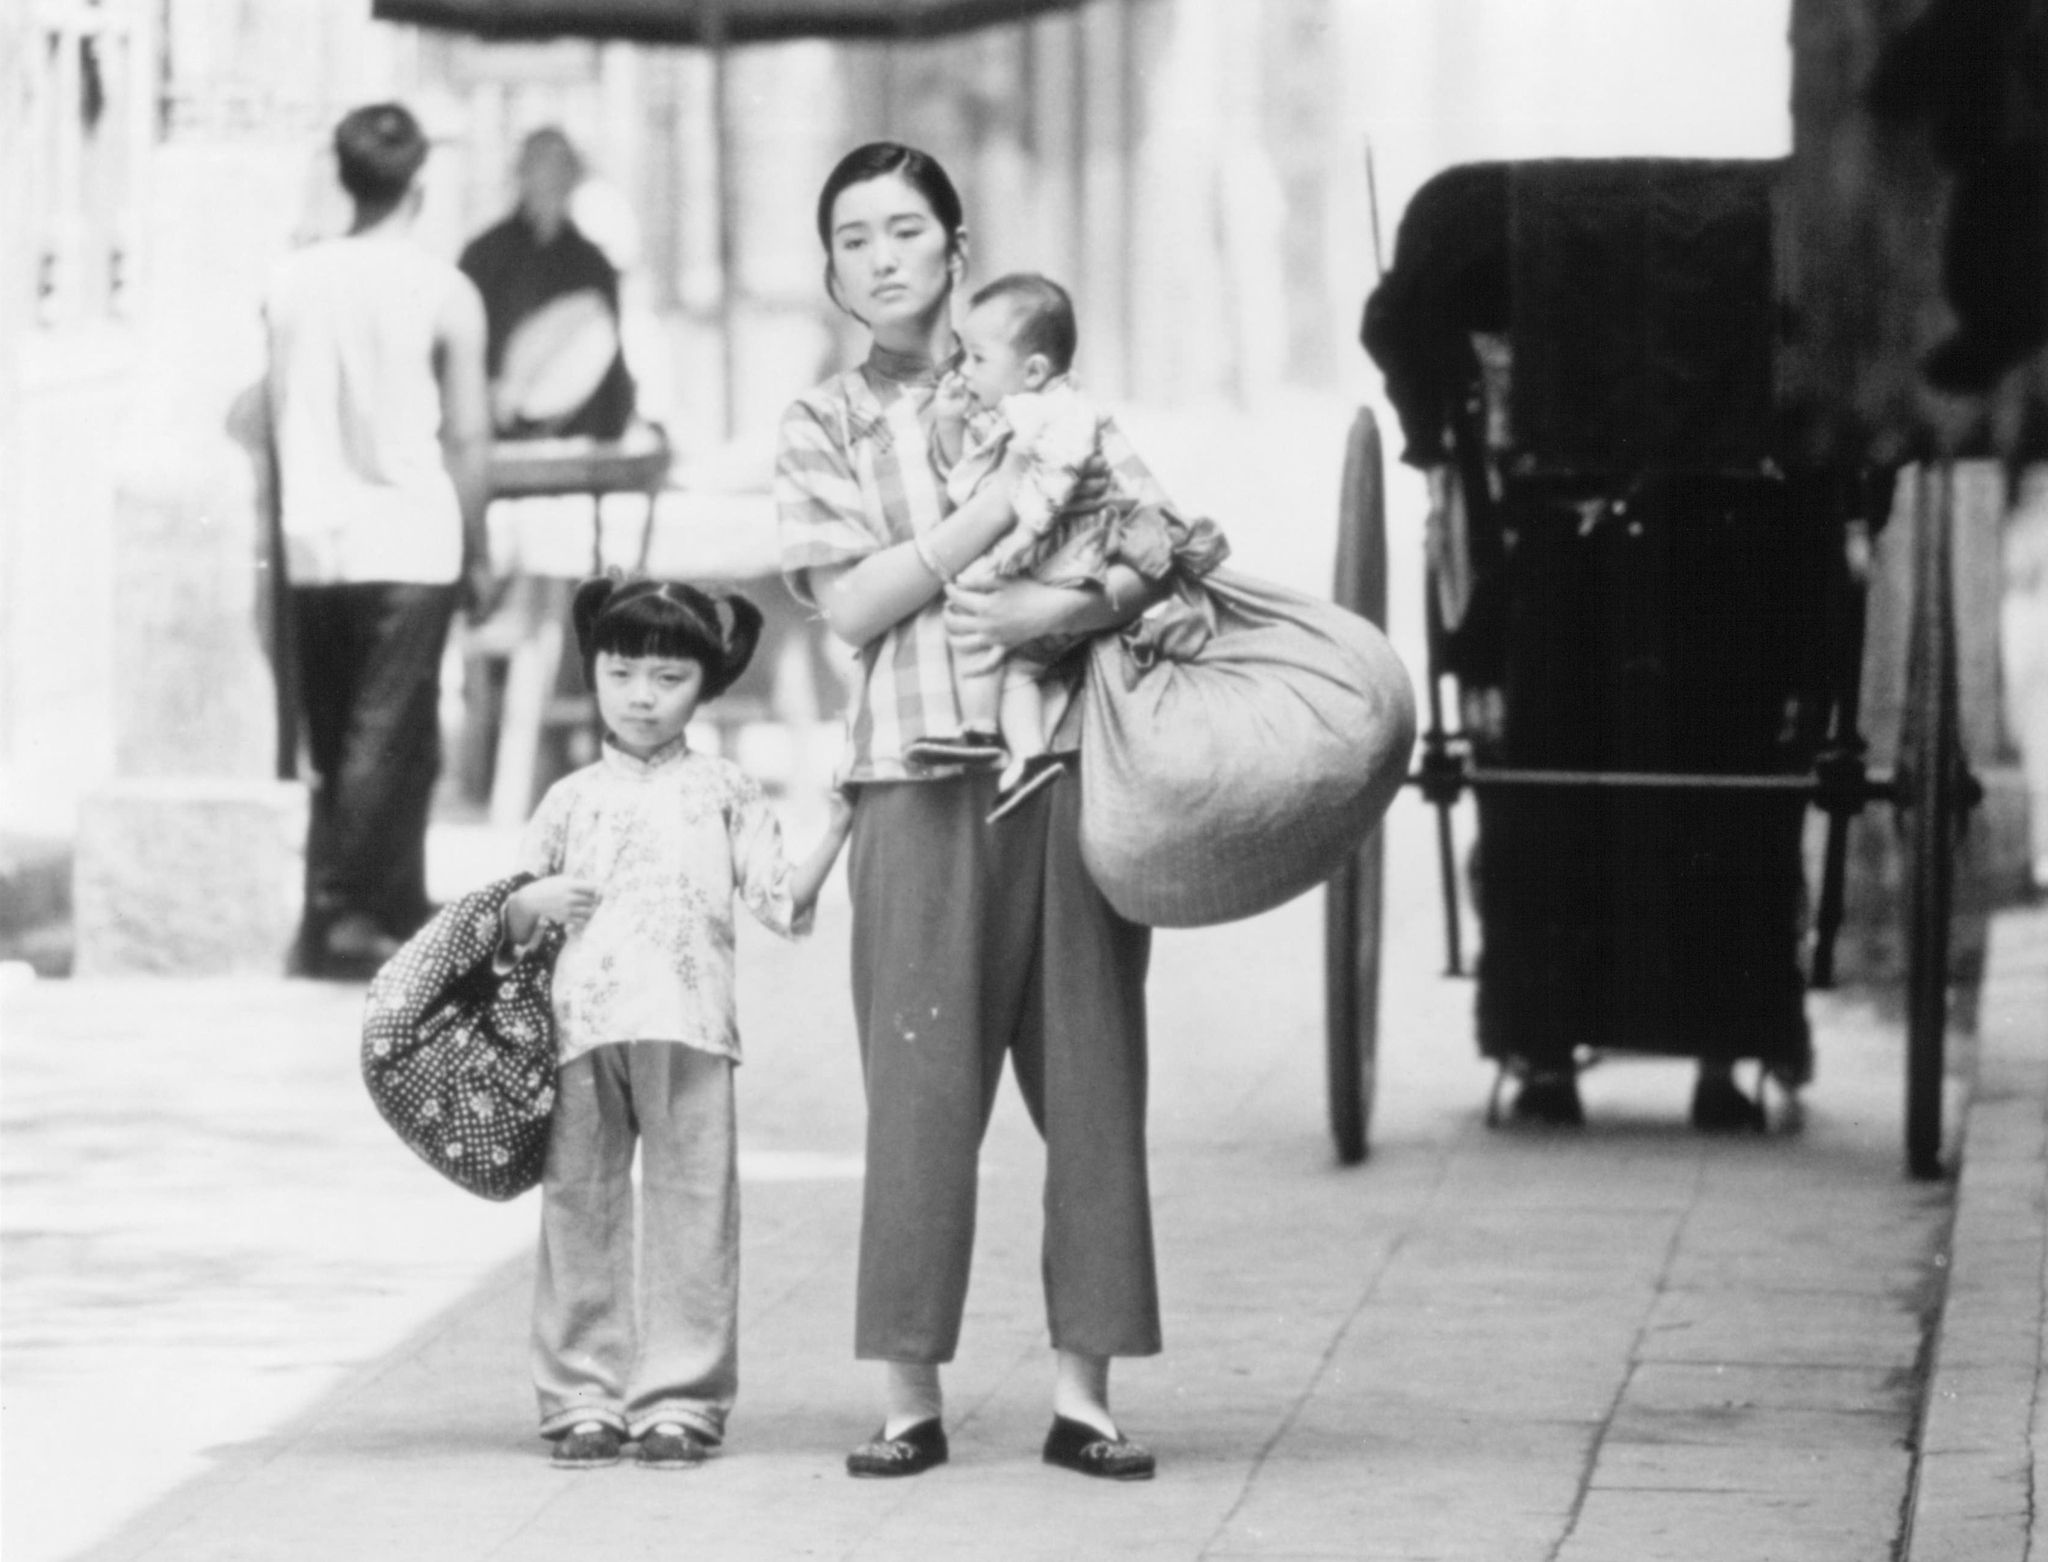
[863, 600]
[985, 622]
[1091, 485]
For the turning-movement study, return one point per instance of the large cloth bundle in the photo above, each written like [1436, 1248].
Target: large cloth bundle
[1234, 749]
[459, 1056]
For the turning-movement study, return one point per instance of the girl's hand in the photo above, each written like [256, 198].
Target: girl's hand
[985, 622]
[839, 814]
[558, 898]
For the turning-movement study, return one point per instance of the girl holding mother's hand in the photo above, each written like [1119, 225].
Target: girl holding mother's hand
[971, 941]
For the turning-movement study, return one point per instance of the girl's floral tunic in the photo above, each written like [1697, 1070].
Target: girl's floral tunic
[669, 841]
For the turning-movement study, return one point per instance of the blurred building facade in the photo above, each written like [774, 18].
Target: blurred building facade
[1194, 169]
[1185, 165]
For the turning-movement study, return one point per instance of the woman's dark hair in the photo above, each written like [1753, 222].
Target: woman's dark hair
[666, 618]
[378, 149]
[920, 170]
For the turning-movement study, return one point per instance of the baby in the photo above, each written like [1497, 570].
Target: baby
[1012, 394]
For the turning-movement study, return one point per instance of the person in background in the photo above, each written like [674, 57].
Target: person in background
[551, 298]
[380, 429]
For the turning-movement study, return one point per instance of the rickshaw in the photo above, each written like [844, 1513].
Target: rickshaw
[1645, 624]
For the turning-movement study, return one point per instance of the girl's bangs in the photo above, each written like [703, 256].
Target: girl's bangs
[652, 625]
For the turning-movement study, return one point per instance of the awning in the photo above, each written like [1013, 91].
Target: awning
[711, 22]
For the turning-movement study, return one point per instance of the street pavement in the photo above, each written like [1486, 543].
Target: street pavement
[1984, 1436]
[242, 1322]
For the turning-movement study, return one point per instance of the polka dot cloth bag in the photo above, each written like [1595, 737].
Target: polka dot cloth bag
[459, 1057]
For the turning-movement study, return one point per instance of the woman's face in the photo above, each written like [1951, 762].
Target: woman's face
[890, 255]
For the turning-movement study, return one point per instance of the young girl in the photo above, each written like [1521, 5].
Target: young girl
[640, 856]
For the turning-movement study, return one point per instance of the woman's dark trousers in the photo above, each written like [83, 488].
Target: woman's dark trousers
[973, 943]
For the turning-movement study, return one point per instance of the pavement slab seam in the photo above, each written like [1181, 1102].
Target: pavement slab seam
[1327, 1357]
[1597, 1445]
[1020, 1364]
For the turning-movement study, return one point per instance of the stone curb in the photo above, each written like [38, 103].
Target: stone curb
[1982, 1433]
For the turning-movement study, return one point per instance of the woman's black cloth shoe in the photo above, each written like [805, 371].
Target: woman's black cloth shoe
[589, 1449]
[1549, 1098]
[910, 1452]
[1075, 1445]
[1720, 1107]
[672, 1448]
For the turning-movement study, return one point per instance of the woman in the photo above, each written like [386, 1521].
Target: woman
[957, 922]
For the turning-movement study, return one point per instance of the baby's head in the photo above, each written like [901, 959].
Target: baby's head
[1018, 336]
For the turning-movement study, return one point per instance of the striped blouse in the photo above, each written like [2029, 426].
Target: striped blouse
[853, 475]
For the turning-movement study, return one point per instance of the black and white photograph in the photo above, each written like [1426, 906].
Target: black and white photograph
[1023, 780]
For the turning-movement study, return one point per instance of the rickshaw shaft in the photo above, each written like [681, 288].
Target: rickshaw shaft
[1874, 788]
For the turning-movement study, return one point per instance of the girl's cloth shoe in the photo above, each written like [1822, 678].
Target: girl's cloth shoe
[1040, 771]
[910, 1452]
[1075, 1445]
[1720, 1107]
[972, 748]
[587, 1448]
[672, 1448]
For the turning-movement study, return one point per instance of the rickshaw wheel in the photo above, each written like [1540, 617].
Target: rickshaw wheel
[1351, 952]
[1352, 961]
[1929, 785]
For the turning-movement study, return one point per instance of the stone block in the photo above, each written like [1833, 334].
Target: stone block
[189, 877]
[195, 696]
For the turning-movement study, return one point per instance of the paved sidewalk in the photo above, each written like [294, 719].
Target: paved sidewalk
[1632, 1342]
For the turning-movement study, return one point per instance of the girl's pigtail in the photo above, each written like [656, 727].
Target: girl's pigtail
[739, 625]
[587, 606]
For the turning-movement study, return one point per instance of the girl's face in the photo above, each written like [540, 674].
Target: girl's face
[891, 256]
[646, 701]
